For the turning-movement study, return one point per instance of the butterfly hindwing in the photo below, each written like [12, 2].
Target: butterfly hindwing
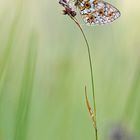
[97, 12]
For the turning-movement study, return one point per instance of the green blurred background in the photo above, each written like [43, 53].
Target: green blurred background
[44, 68]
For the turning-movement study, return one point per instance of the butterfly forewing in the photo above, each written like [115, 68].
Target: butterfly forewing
[97, 12]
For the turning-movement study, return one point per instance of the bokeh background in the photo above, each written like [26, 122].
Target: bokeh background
[44, 68]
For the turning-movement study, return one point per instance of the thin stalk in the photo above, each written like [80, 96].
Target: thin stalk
[91, 71]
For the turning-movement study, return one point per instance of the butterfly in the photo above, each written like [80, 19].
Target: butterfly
[97, 12]
[93, 12]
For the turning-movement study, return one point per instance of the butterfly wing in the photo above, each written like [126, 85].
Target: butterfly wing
[97, 12]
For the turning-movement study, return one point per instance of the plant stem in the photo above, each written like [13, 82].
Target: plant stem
[91, 71]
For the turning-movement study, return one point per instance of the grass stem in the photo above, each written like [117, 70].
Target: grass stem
[91, 71]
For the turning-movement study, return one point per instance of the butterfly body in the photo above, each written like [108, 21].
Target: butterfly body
[97, 12]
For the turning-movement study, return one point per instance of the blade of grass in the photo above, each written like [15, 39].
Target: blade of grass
[132, 96]
[26, 91]
[9, 46]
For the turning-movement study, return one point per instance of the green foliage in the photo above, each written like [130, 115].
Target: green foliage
[44, 69]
